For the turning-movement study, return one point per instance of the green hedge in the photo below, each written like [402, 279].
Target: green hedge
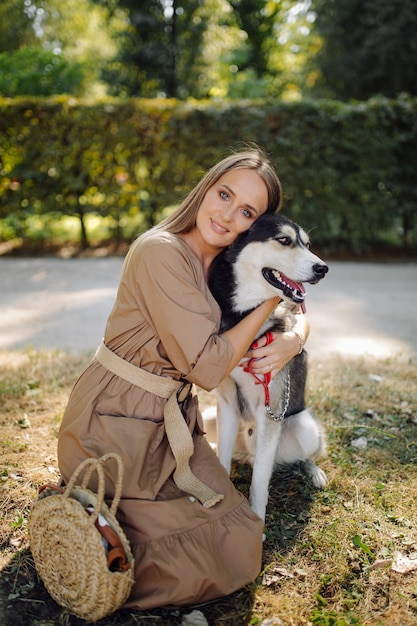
[348, 170]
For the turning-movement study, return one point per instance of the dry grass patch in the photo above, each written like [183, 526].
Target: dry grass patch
[328, 554]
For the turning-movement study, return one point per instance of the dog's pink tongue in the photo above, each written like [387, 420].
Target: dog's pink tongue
[298, 286]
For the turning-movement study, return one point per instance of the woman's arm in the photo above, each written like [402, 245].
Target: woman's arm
[283, 348]
[172, 298]
[240, 335]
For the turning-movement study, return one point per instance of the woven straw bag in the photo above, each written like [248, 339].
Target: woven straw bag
[80, 551]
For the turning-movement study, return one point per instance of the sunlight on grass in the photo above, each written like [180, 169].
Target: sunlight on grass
[57, 230]
[67, 228]
[359, 346]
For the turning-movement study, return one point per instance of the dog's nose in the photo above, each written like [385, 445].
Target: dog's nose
[320, 270]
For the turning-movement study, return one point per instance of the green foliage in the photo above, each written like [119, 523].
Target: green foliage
[256, 18]
[15, 26]
[162, 50]
[54, 47]
[347, 170]
[212, 48]
[207, 48]
[38, 72]
[369, 47]
[86, 33]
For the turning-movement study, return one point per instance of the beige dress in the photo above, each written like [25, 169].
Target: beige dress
[166, 321]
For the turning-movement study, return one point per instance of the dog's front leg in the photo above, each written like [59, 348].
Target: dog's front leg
[267, 437]
[227, 422]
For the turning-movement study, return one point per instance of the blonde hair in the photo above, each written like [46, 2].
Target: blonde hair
[183, 219]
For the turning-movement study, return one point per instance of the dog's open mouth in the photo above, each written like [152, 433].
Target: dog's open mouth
[292, 290]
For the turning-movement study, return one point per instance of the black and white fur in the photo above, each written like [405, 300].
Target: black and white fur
[247, 273]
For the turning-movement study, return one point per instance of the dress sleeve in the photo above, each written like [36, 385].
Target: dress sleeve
[173, 301]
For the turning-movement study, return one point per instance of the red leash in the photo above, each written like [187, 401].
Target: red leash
[266, 377]
[265, 384]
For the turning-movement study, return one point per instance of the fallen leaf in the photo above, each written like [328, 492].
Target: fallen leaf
[16, 542]
[195, 618]
[272, 621]
[375, 378]
[381, 563]
[402, 564]
[14, 476]
[275, 575]
[360, 443]
[372, 414]
[24, 421]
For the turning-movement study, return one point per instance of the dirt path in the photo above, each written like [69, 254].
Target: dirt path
[359, 308]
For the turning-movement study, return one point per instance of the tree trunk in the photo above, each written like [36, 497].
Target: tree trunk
[83, 235]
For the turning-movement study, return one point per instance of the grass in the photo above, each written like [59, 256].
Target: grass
[327, 554]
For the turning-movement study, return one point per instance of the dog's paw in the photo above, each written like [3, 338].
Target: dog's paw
[318, 477]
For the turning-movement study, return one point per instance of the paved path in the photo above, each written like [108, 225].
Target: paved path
[357, 309]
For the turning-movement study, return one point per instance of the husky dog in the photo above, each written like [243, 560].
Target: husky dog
[267, 424]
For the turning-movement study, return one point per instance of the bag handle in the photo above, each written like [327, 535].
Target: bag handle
[96, 465]
[116, 555]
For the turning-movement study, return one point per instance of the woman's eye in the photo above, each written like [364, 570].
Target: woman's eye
[246, 213]
[285, 241]
[224, 195]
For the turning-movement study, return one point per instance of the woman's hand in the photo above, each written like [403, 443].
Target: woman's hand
[274, 356]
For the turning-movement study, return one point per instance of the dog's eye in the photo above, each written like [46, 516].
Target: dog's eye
[285, 241]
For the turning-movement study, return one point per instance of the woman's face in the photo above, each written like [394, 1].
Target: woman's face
[231, 206]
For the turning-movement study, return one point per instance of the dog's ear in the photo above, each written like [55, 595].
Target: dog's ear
[241, 239]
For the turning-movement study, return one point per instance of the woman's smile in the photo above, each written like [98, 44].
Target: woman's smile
[218, 227]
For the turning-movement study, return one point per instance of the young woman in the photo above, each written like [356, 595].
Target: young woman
[193, 535]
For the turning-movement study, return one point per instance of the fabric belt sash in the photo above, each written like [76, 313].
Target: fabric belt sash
[179, 437]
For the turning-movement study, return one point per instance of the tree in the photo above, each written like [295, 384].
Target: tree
[50, 46]
[16, 25]
[83, 32]
[257, 18]
[38, 72]
[152, 48]
[161, 51]
[206, 48]
[369, 47]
